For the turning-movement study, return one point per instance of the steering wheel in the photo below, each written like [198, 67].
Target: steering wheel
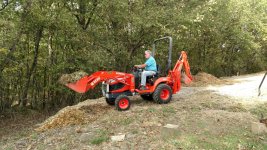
[136, 69]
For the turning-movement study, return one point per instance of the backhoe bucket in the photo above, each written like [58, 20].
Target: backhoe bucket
[186, 79]
[80, 86]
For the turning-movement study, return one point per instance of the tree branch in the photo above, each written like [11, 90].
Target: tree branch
[5, 4]
[91, 15]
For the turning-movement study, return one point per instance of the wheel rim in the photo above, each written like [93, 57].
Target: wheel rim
[164, 94]
[123, 103]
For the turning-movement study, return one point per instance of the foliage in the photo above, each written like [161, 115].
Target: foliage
[41, 40]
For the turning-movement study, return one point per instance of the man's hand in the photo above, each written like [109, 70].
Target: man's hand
[137, 66]
[140, 66]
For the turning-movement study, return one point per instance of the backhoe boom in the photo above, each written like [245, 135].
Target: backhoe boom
[175, 74]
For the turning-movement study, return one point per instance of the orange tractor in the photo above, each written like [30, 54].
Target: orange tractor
[118, 86]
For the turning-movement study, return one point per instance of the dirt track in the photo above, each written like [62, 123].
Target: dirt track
[243, 89]
[214, 116]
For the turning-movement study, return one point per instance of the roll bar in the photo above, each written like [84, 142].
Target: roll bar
[169, 49]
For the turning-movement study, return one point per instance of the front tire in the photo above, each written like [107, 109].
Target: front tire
[162, 94]
[122, 103]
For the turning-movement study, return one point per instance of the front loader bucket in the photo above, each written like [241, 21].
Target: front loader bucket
[80, 86]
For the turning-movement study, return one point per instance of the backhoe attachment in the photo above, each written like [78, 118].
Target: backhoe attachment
[177, 76]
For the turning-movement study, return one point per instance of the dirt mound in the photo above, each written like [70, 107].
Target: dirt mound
[73, 77]
[68, 116]
[84, 112]
[203, 78]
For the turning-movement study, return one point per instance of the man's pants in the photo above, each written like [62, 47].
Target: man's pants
[144, 75]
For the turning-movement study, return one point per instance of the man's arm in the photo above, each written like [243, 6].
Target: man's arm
[140, 66]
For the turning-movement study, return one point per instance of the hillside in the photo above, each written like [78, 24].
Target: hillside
[206, 115]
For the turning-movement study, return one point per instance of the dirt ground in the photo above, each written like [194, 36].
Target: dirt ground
[212, 113]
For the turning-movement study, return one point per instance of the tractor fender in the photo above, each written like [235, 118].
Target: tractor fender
[160, 81]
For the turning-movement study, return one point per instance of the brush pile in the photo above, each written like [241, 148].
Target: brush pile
[203, 79]
[83, 112]
[73, 77]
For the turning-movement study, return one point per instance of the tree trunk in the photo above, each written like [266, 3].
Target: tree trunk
[38, 37]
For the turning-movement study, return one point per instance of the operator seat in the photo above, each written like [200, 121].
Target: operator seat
[151, 79]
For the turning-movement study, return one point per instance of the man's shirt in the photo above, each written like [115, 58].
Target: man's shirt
[151, 64]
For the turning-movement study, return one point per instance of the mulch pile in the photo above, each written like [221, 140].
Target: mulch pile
[203, 79]
[73, 77]
[66, 116]
[84, 112]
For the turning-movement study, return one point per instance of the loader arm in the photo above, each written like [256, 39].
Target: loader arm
[89, 82]
[175, 74]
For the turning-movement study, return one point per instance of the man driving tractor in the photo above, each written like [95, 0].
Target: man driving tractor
[150, 67]
[118, 86]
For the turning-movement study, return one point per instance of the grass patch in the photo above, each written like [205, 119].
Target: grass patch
[168, 109]
[260, 110]
[210, 105]
[135, 131]
[65, 147]
[102, 136]
[34, 135]
[9, 148]
[20, 134]
[99, 140]
[208, 141]
[41, 147]
[125, 121]
[152, 110]
[237, 108]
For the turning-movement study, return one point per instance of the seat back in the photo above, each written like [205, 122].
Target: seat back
[158, 70]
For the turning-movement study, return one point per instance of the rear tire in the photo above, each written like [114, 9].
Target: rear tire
[162, 94]
[122, 103]
[148, 97]
[110, 101]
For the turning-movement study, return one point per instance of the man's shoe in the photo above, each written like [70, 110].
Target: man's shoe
[143, 88]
